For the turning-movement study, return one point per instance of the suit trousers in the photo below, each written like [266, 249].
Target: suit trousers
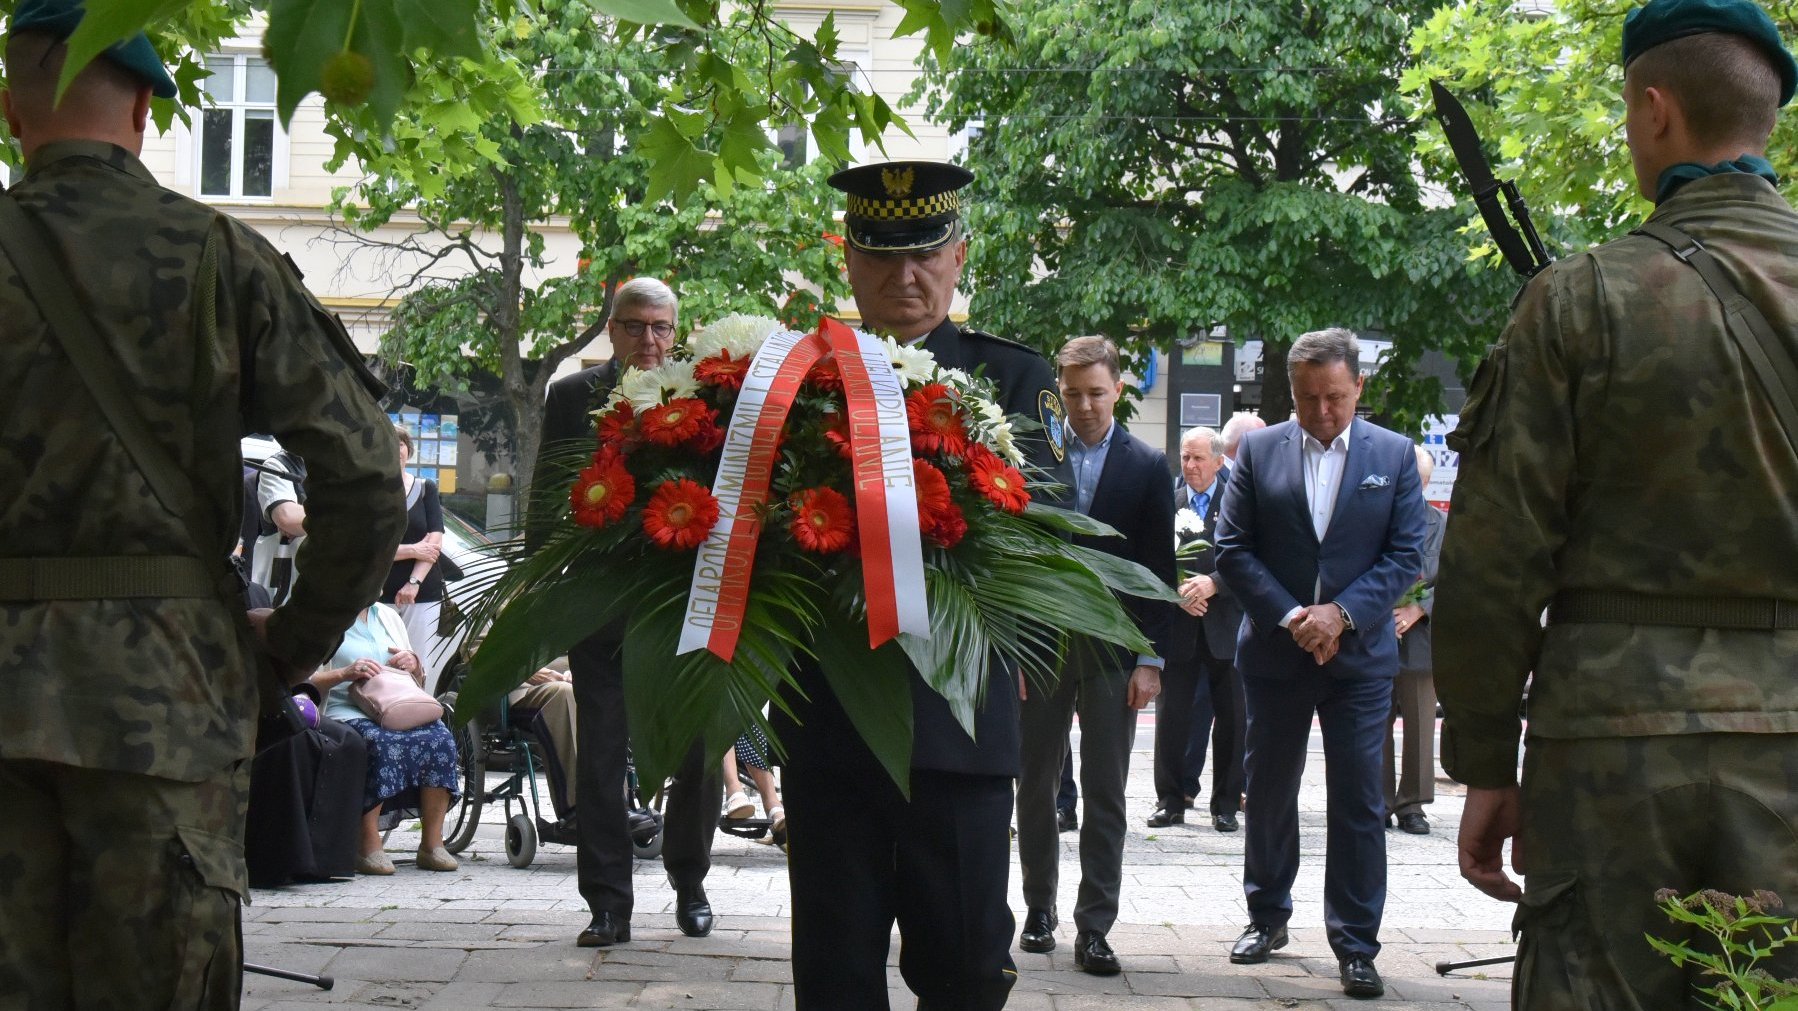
[1352, 713]
[1411, 779]
[120, 891]
[603, 855]
[1608, 821]
[1107, 732]
[861, 855]
[1200, 708]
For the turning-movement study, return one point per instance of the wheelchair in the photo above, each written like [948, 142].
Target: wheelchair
[510, 742]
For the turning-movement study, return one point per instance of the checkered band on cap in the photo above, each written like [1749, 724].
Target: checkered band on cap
[908, 209]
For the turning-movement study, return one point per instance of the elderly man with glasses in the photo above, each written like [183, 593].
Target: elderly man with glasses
[644, 313]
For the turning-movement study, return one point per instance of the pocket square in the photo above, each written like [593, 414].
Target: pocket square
[1375, 481]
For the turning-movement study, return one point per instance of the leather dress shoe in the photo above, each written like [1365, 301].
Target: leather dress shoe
[1360, 979]
[1038, 934]
[1066, 820]
[692, 910]
[1165, 816]
[1093, 955]
[1256, 941]
[606, 930]
[1224, 822]
[1414, 823]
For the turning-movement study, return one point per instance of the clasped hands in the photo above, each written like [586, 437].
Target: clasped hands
[1196, 594]
[1318, 631]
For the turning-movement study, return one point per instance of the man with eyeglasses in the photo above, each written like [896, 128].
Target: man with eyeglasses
[641, 326]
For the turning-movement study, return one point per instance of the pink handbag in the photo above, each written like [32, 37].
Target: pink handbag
[395, 701]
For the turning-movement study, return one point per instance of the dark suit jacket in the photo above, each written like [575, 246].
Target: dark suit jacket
[1215, 632]
[1134, 498]
[1372, 552]
[1414, 648]
[567, 416]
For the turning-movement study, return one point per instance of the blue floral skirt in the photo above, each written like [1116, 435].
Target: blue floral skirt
[401, 761]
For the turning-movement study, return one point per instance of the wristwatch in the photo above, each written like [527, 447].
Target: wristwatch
[415, 581]
[1347, 619]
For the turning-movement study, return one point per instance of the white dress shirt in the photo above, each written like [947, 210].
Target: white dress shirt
[1324, 467]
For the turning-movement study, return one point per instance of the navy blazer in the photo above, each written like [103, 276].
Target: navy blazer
[1215, 631]
[1133, 497]
[1372, 552]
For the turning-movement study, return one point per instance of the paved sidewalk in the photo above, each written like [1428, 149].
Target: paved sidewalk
[490, 935]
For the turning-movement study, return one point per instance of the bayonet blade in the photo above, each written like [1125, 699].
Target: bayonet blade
[1465, 142]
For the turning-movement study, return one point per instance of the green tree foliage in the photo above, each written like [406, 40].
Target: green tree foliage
[1544, 84]
[1148, 169]
[370, 55]
[476, 300]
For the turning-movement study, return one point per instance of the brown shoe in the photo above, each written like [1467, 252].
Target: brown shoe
[436, 859]
[374, 863]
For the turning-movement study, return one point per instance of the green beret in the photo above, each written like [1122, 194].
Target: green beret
[58, 18]
[1665, 20]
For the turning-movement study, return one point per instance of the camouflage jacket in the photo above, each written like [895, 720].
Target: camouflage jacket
[1616, 440]
[162, 686]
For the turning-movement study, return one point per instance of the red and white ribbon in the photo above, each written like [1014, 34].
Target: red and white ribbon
[719, 594]
[886, 496]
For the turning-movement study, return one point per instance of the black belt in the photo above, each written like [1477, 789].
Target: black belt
[23, 580]
[1620, 608]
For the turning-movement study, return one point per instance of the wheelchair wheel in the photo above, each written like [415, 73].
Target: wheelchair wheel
[471, 756]
[521, 841]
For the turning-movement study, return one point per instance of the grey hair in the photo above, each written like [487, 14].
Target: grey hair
[645, 292]
[1325, 347]
[1238, 426]
[1201, 432]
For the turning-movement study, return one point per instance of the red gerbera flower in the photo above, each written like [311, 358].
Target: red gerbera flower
[677, 421]
[836, 432]
[935, 420]
[938, 515]
[602, 491]
[680, 515]
[722, 370]
[999, 481]
[822, 520]
[615, 425]
[825, 375]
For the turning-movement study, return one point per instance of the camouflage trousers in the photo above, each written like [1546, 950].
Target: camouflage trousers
[120, 890]
[1608, 822]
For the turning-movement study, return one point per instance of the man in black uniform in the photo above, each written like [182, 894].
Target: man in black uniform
[861, 854]
[642, 330]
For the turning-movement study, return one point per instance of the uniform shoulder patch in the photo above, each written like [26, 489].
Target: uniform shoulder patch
[1054, 420]
[984, 336]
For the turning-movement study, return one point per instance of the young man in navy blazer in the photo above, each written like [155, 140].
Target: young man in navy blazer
[1120, 480]
[1321, 534]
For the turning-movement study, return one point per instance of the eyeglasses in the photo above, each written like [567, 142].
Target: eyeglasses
[637, 328]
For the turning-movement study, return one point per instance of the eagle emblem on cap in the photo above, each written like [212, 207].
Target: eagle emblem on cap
[898, 181]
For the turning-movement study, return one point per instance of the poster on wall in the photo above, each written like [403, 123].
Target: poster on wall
[1448, 462]
[446, 453]
[428, 451]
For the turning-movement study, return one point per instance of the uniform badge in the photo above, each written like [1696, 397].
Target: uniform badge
[898, 182]
[1054, 419]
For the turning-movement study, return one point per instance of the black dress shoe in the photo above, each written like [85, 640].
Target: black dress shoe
[1224, 822]
[1414, 823]
[1165, 816]
[1361, 979]
[1066, 820]
[1038, 934]
[1256, 941]
[606, 930]
[692, 910]
[1093, 955]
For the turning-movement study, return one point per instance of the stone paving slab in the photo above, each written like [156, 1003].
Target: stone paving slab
[493, 936]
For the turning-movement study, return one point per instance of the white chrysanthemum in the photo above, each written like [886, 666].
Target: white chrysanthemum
[647, 388]
[1188, 522]
[1007, 444]
[956, 377]
[914, 364]
[992, 414]
[739, 334]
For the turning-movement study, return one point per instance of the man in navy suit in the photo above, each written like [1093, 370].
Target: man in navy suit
[1200, 684]
[1321, 534]
[1120, 480]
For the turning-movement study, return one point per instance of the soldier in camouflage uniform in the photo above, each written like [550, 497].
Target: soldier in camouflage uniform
[1625, 466]
[127, 686]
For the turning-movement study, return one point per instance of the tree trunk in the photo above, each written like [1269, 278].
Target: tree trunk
[1276, 388]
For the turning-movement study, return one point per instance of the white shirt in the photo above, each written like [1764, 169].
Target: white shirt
[1324, 467]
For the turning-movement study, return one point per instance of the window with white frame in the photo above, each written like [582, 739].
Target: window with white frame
[237, 140]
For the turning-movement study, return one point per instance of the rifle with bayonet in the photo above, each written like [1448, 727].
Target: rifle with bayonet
[1521, 246]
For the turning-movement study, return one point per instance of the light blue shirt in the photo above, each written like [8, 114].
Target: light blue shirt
[365, 640]
[1087, 463]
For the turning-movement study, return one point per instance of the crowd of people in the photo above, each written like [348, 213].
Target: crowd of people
[1624, 550]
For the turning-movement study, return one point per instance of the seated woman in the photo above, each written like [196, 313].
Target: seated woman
[406, 768]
